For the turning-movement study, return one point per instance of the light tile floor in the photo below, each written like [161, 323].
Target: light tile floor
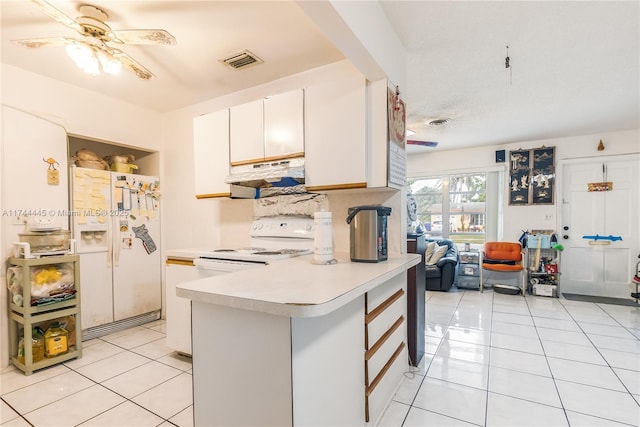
[491, 360]
[129, 378]
[503, 360]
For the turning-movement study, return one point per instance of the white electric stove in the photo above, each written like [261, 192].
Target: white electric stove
[270, 240]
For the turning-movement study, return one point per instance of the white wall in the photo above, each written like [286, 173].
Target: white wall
[518, 218]
[79, 112]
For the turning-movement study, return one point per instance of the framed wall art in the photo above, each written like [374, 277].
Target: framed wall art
[532, 176]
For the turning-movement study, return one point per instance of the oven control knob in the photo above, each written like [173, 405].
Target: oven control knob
[308, 227]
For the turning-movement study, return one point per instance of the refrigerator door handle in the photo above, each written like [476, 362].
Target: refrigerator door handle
[109, 237]
[116, 241]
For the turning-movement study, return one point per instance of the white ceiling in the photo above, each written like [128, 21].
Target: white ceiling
[574, 65]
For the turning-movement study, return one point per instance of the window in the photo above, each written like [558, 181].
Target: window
[452, 206]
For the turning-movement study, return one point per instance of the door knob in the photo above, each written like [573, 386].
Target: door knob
[565, 227]
[565, 236]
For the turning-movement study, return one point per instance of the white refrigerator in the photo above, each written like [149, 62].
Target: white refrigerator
[116, 224]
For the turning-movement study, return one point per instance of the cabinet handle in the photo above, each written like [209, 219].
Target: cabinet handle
[368, 318]
[384, 369]
[375, 347]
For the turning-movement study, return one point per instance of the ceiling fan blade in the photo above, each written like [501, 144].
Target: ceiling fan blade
[131, 64]
[161, 37]
[422, 143]
[57, 15]
[42, 42]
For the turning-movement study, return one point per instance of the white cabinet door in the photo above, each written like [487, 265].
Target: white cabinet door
[247, 133]
[178, 309]
[284, 125]
[335, 131]
[211, 154]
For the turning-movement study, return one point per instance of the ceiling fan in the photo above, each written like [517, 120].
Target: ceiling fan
[93, 52]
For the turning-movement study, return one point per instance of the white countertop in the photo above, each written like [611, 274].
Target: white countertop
[295, 287]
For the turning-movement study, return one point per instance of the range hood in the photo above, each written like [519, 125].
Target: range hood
[279, 173]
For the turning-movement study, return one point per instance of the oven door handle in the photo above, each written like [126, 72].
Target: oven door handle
[224, 265]
[204, 264]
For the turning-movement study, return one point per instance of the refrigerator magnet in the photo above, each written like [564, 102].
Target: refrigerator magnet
[127, 243]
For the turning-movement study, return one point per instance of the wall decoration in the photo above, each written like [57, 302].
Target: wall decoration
[532, 176]
[600, 186]
[397, 157]
[519, 177]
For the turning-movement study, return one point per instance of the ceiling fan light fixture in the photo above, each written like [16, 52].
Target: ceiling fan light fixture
[84, 57]
[108, 63]
[93, 59]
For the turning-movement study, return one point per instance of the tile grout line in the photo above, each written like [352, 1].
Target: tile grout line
[129, 350]
[546, 359]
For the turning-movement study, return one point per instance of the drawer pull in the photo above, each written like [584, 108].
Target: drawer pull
[368, 318]
[384, 370]
[370, 352]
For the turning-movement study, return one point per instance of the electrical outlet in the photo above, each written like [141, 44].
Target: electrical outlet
[548, 217]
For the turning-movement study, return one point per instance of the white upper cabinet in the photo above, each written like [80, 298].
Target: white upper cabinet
[268, 129]
[335, 127]
[284, 125]
[211, 154]
[247, 133]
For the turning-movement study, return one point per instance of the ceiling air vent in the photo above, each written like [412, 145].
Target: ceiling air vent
[242, 59]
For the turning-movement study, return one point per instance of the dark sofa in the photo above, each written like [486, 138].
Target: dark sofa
[440, 276]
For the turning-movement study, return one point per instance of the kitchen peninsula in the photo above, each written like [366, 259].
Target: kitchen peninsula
[295, 343]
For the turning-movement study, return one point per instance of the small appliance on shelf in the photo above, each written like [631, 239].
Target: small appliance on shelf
[43, 238]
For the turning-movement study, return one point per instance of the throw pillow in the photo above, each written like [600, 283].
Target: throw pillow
[431, 247]
[437, 254]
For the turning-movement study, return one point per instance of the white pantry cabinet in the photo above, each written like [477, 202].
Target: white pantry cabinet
[211, 154]
[267, 129]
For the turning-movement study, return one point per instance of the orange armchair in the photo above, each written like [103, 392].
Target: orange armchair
[502, 257]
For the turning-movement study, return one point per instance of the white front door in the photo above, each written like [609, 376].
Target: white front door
[600, 269]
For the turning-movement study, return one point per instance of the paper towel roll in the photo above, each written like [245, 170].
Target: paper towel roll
[322, 238]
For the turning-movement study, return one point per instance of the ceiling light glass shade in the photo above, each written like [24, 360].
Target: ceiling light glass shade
[84, 57]
[108, 63]
[92, 59]
[409, 132]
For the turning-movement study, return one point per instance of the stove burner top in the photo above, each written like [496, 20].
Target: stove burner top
[283, 252]
[254, 254]
[249, 249]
